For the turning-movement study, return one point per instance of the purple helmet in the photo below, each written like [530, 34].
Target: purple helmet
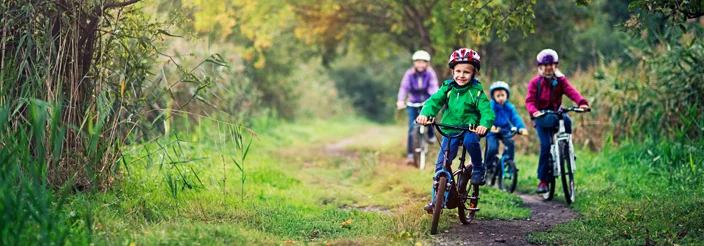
[547, 56]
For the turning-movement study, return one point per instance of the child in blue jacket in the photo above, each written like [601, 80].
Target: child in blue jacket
[506, 119]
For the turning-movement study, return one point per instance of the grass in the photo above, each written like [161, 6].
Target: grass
[299, 190]
[295, 190]
[628, 196]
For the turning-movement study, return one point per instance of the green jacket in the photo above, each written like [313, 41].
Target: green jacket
[465, 105]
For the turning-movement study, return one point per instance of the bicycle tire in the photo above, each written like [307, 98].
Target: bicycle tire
[567, 175]
[416, 145]
[495, 173]
[499, 175]
[464, 194]
[510, 166]
[439, 204]
[551, 184]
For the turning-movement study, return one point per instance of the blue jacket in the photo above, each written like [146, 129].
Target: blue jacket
[506, 115]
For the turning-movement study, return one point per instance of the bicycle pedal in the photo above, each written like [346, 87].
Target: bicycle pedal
[473, 209]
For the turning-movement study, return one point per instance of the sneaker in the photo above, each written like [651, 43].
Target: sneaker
[409, 159]
[429, 207]
[542, 188]
[478, 178]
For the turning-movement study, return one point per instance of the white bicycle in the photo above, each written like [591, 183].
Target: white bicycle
[562, 160]
[419, 140]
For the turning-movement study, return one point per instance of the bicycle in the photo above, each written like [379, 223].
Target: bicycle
[419, 140]
[445, 193]
[562, 150]
[504, 167]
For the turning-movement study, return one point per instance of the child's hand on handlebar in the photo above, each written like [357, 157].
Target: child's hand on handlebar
[423, 120]
[537, 114]
[400, 105]
[584, 106]
[522, 131]
[481, 130]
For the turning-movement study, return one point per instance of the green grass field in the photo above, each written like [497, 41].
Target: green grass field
[296, 190]
[624, 198]
[344, 182]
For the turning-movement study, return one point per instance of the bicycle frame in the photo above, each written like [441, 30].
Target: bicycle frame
[422, 129]
[559, 136]
[447, 167]
[503, 157]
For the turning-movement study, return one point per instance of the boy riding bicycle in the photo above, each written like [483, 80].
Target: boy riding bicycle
[545, 92]
[466, 104]
[506, 119]
[419, 82]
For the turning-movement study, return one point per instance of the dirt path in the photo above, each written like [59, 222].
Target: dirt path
[501, 232]
[488, 232]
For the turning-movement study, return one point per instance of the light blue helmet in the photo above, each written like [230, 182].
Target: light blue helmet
[499, 85]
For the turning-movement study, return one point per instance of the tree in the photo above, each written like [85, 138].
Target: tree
[407, 22]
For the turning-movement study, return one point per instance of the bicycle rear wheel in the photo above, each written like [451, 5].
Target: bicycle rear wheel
[439, 204]
[551, 184]
[494, 173]
[567, 174]
[416, 145]
[551, 190]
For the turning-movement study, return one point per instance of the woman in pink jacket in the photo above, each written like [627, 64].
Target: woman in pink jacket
[545, 93]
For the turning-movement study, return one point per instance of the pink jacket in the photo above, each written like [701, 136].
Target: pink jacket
[550, 96]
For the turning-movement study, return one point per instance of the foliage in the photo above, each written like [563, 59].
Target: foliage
[676, 12]
[31, 212]
[659, 97]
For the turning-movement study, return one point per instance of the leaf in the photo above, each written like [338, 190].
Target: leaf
[247, 149]
[236, 163]
[346, 223]
[167, 33]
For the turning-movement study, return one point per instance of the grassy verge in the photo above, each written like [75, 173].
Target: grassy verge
[297, 189]
[639, 194]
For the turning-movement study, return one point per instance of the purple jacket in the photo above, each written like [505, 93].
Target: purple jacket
[550, 96]
[418, 92]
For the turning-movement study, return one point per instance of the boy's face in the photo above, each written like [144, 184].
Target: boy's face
[500, 96]
[463, 73]
[548, 69]
[420, 65]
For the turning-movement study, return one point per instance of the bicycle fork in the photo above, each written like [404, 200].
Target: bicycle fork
[557, 154]
[423, 147]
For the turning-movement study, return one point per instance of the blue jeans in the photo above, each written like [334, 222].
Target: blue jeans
[545, 136]
[412, 115]
[470, 141]
[492, 141]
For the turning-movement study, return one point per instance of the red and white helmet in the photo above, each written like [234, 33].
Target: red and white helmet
[464, 55]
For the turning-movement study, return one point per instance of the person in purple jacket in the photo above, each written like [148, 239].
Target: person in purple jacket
[545, 93]
[418, 84]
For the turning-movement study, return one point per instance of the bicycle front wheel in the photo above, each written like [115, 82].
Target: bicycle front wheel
[509, 178]
[439, 204]
[567, 174]
[416, 145]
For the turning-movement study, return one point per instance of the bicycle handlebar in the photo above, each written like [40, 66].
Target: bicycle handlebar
[565, 110]
[471, 128]
[513, 131]
[414, 105]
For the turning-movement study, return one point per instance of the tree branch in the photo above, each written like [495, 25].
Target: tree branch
[120, 4]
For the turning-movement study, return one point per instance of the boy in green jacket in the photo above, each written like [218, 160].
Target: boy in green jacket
[466, 104]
